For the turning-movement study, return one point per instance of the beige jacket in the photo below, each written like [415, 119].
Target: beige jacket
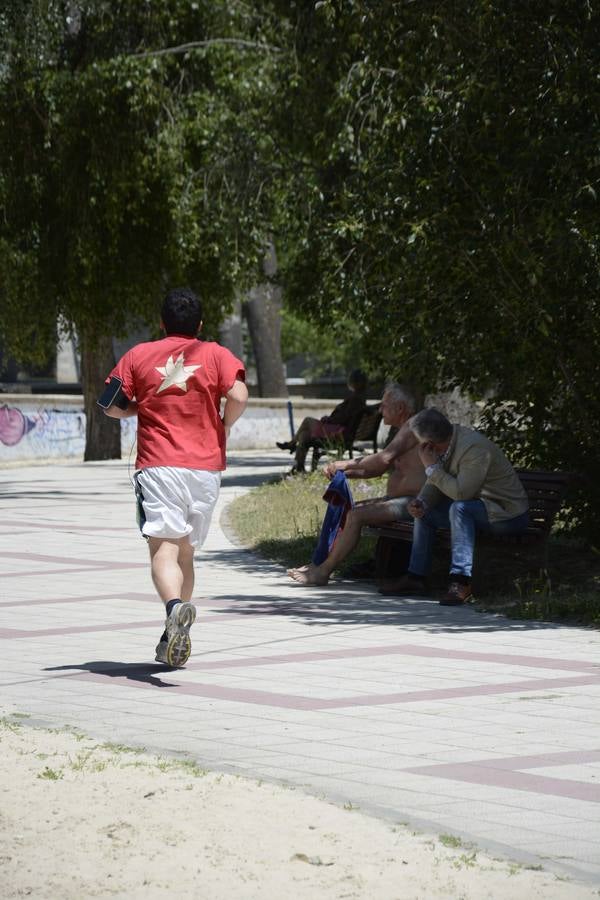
[476, 469]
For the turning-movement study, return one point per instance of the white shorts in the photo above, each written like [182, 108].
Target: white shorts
[173, 502]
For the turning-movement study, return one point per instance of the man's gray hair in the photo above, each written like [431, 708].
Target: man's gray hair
[401, 393]
[431, 425]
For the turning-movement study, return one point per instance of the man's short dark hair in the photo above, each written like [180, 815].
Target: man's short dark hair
[431, 425]
[357, 380]
[181, 312]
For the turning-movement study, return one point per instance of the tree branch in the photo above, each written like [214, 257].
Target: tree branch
[198, 45]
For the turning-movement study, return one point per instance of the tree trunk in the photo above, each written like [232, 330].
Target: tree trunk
[102, 435]
[263, 312]
[230, 332]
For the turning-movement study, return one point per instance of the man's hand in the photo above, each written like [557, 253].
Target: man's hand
[428, 455]
[417, 508]
[331, 468]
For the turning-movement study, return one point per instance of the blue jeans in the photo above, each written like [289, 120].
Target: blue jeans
[464, 518]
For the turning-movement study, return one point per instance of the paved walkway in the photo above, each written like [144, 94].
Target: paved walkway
[451, 720]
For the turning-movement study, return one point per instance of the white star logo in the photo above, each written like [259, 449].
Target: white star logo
[175, 373]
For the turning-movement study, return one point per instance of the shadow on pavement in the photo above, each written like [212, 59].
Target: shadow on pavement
[349, 602]
[345, 604]
[255, 479]
[12, 492]
[144, 672]
[266, 462]
[255, 474]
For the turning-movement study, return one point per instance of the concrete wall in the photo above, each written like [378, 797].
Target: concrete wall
[36, 427]
[42, 427]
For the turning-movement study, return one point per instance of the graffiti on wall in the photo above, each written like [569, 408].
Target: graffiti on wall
[13, 425]
[30, 431]
[60, 426]
[40, 432]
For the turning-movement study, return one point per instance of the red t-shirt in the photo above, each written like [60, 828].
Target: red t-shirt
[178, 383]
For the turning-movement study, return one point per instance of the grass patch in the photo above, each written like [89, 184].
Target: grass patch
[49, 774]
[281, 522]
[187, 766]
[465, 861]
[450, 840]
[121, 748]
[9, 726]
[568, 591]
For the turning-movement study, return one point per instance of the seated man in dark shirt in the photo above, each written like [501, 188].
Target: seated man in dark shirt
[333, 428]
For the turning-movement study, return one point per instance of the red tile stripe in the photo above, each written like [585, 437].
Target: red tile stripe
[508, 659]
[505, 773]
[45, 601]
[293, 701]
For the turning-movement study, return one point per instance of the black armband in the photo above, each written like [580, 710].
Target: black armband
[113, 395]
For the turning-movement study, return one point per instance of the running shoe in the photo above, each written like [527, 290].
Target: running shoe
[178, 644]
[161, 652]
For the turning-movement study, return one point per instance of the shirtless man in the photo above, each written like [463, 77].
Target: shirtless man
[407, 475]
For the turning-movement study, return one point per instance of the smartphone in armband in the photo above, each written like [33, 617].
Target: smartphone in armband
[113, 395]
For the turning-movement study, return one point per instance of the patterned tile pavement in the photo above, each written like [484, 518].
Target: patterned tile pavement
[450, 720]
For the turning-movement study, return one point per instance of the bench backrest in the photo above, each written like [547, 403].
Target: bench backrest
[546, 492]
[351, 428]
[369, 424]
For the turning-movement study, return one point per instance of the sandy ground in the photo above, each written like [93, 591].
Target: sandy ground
[80, 819]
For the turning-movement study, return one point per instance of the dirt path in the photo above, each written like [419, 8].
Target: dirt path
[80, 819]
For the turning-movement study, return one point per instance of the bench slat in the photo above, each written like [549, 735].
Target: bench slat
[546, 492]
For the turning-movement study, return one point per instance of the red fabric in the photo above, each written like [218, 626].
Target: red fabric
[324, 430]
[178, 383]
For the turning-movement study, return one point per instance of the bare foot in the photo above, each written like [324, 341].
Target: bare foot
[299, 569]
[308, 575]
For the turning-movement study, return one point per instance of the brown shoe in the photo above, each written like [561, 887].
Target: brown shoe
[406, 584]
[457, 594]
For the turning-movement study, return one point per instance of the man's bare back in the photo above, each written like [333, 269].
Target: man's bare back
[407, 476]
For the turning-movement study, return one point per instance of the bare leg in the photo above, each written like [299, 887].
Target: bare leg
[172, 566]
[186, 564]
[376, 512]
[345, 542]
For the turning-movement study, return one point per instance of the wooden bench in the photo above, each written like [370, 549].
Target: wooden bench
[546, 492]
[368, 430]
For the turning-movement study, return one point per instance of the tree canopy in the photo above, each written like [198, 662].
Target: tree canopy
[129, 162]
[452, 207]
[428, 172]
[132, 161]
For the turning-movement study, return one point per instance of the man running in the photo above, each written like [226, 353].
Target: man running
[175, 386]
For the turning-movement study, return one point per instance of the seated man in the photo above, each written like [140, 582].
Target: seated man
[334, 427]
[401, 459]
[470, 486]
